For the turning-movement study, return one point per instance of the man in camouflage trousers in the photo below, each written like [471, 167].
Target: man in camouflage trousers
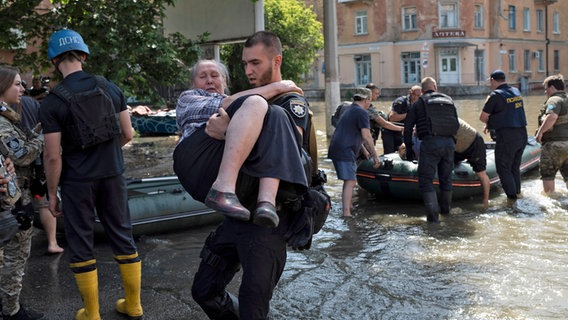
[553, 132]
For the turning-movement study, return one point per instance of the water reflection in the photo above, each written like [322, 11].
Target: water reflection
[507, 262]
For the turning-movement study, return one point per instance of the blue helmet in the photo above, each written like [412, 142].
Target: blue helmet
[65, 40]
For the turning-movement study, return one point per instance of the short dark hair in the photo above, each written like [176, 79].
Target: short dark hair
[556, 81]
[269, 39]
[372, 86]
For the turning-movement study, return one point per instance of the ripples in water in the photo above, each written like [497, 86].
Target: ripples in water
[507, 262]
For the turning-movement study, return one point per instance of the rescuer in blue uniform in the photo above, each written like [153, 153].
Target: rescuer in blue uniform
[504, 113]
[259, 251]
[436, 120]
[393, 139]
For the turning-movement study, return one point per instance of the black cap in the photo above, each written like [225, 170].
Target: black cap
[497, 75]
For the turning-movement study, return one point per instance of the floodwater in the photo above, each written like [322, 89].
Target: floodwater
[507, 262]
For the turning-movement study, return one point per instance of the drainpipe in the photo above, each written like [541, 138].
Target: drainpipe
[501, 10]
[547, 42]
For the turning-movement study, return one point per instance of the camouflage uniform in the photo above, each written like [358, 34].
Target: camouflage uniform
[375, 127]
[554, 156]
[23, 149]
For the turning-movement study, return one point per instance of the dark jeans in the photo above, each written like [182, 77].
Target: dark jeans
[436, 155]
[509, 146]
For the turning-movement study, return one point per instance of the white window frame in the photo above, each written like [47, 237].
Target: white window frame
[512, 17]
[527, 60]
[539, 20]
[363, 70]
[480, 64]
[556, 23]
[512, 61]
[448, 15]
[479, 20]
[410, 60]
[409, 19]
[361, 22]
[526, 19]
[540, 60]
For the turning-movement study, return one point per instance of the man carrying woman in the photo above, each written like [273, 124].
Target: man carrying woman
[256, 138]
[276, 139]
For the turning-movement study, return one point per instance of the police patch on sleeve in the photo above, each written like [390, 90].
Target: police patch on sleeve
[298, 108]
[15, 146]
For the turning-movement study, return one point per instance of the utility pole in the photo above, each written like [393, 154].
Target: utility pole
[332, 94]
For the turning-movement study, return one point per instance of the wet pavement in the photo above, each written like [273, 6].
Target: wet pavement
[386, 263]
[169, 262]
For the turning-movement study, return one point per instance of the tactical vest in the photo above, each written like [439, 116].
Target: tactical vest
[559, 131]
[441, 115]
[95, 119]
[514, 114]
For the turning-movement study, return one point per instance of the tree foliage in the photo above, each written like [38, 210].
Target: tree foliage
[125, 40]
[300, 33]
[127, 45]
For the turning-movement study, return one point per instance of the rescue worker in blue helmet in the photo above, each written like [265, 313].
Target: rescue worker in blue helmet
[89, 170]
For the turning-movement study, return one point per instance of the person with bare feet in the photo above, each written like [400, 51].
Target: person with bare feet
[29, 111]
[352, 133]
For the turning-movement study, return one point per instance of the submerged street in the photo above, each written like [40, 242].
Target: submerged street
[508, 262]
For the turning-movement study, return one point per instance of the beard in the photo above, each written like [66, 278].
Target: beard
[264, 78]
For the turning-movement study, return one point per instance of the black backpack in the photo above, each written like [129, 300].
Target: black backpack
[95, 119]
[338, 112]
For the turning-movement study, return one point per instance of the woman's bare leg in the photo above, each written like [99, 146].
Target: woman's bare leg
[242, 133]
[268, 188]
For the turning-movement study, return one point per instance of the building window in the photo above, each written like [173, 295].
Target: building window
[478, 16]
[361, 22]
[539, 20]
[409, 19]
[512, 61]
[527, 60]
[480, 65]
[363, 69]
[526, 19]
[512, 18]
[556, 23]
[540, 60]
[556, 60]
[448, 15]
[411, 69]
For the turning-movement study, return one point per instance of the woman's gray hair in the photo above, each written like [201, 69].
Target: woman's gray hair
[222, 69]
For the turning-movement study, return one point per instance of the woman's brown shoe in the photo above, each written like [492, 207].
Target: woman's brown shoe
[265, 215]
[228, 204]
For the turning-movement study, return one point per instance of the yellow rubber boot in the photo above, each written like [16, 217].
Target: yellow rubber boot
[88, 284]
[131, 278]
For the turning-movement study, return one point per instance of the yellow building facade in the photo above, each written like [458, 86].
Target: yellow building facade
[395, 43]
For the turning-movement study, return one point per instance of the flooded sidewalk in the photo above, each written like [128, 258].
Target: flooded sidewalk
[169, 262]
